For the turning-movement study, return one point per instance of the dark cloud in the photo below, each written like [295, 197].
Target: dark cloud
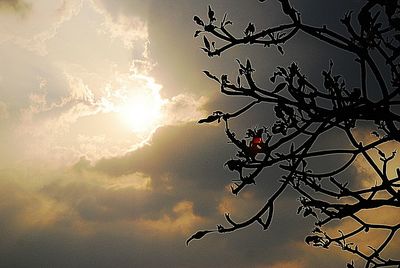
[177, 150]
[189, 158]
[77, 220]
[72, 241]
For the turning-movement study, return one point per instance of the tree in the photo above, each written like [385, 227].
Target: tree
[305, 111]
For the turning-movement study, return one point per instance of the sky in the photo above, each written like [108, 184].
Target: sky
[102, 163]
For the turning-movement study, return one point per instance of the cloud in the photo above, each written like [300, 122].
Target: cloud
[130, 8]
[42, 25]
[284, 264]
[67, 115]
[4, 114]
[183, 108]
[365, 173]
[135, 206]
[90, 218]
[17, 6]
[63, 104]
[109, 200]
[163, 191]
[93, 213]
[182, 222]
[67, 10]
[175, 149]
[129, 29]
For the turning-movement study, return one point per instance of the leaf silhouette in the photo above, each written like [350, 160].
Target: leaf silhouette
[273, 78]
[240, 64]
[211, 14]
[248, 66]
[209, 119]
[279, 87]
[198, 20]
[308, 212]
[211, 76]
[197, 235]
[250, 29]
[312, 239]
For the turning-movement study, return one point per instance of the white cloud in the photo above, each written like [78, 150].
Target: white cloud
[99, 125]
[92, 94]
[127, 29]
[43, 23]
[183, 108]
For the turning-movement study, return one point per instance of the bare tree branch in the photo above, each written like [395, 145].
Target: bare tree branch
[304, 112]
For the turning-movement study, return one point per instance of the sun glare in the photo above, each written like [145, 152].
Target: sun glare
[141, 109]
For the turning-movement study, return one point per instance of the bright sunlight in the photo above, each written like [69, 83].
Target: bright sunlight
[140, 109]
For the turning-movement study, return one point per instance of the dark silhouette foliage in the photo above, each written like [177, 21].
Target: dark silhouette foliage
[305, 111]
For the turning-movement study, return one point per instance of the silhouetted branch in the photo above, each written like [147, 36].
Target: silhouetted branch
[304, 112]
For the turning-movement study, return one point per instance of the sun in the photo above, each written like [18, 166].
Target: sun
[140, 113]
[140, 109]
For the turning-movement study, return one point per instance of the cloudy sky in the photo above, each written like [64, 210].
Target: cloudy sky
[102, 163]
